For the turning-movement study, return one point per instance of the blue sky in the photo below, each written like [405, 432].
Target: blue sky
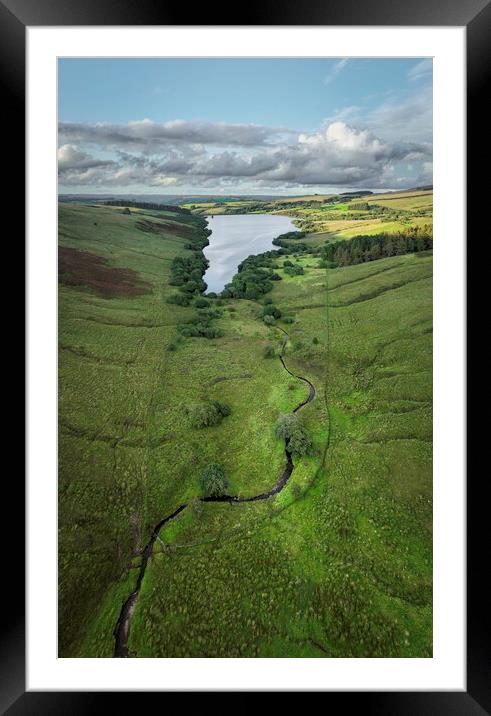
[244, 125]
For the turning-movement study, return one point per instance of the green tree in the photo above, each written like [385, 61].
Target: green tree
[290, 428]
[207, 413]
[213, 481]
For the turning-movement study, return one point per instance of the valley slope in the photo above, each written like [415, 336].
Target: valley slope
[339, 563]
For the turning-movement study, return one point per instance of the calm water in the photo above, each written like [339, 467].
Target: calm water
[234, 238]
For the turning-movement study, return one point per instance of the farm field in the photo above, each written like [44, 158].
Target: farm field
[333, 217]
[336, 564]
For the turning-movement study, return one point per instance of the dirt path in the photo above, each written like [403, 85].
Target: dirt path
[122, 629]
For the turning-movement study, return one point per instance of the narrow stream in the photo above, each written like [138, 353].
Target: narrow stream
[122, 629]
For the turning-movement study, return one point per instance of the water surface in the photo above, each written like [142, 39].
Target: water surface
[234, 238]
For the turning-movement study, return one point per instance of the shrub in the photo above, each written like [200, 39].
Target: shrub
[271, 310]
[269, 320]
[315, 340]
[287, 263]
[200, 329]
[288, 319]
[212, 481]
[180, 299]
[201, 303]
[269, 351]
[290, 428]
[294, 270]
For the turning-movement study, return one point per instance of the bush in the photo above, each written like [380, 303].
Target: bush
[269, 351]
[294, 271]
[180, 299]
[315, 340]
[199, 330]
[207, 413]
[288, 319]
[271, 310]
[201, 303]
[290, 428]
[212, 481]
[269, 320]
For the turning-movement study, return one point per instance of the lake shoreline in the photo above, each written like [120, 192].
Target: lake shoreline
[234, 237]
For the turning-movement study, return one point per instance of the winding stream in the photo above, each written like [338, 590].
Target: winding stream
[122, 629]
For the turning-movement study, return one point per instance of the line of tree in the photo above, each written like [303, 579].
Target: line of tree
[283, 241]
[364, 248]
[146, 205]
[187, 274]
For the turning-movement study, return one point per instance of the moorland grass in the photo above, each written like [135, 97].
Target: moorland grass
[337, 564]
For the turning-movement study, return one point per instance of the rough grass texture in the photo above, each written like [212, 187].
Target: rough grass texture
[337, 564]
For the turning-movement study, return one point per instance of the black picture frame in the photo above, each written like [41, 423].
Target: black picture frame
[475, 15]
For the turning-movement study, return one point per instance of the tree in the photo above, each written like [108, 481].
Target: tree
[208, 413]
[213, 481]
[290, 428]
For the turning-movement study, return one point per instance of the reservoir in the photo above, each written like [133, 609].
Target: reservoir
[234, 238]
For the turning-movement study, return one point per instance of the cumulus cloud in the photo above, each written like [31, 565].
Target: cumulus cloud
[340, 155]
[71, 157]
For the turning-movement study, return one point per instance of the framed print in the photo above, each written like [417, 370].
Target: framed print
[245, 379]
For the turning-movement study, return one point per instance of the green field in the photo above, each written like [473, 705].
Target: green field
[337, 564]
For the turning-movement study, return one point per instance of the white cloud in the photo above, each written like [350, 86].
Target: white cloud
[145, 134]
[335, 70]
[422, 70]
[339, 155]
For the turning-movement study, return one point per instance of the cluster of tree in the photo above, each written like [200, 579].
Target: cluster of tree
[213, 481]
[254, 277]
[364, 248]
[247, 209]
[187, 272]
[147, 205]
[208, 413]
[355, 194]
[283, 241]
[294, 270]
[290, 428]
[200, 326]
[291, 235]
[200, 239]
[269, 309]
[360, 206]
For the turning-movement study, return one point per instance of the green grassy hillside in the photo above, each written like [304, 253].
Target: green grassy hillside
[336, 564]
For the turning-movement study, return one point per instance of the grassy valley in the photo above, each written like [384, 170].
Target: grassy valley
[338, 563]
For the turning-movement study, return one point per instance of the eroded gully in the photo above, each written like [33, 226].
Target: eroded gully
[122, 629]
